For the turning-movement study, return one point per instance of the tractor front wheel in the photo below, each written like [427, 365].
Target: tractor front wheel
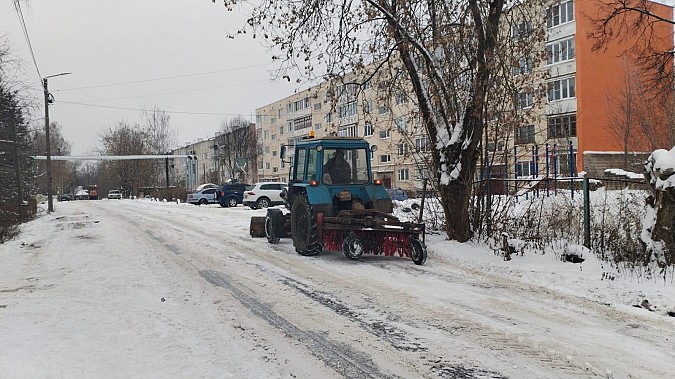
[418, 251]
[272, 224]
[352, 246]
[304, 228]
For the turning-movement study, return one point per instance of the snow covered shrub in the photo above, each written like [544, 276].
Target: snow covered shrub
[552, 224]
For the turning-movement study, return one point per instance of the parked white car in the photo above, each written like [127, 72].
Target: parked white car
[264, 195]
[205, 196]
[114, 194]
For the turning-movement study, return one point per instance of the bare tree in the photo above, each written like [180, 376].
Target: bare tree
[128, 175]
[447, 51]
[237, 143]
[61, 171]
[650, 34]
[634, 117]
[161, 137]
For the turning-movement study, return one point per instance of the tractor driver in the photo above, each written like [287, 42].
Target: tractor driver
[337, 170]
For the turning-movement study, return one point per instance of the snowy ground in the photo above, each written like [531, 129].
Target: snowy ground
[140, 288]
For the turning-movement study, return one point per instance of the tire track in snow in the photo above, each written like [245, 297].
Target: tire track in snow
[340, 357]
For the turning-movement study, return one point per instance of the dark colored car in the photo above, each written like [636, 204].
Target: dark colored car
[397, 194]
[232, 194]
[66, 197]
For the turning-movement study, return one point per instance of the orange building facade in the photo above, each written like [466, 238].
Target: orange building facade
[601, 83]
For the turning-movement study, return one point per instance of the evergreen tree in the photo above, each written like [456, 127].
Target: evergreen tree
[16, 166]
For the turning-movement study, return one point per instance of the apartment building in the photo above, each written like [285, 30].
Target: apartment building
[201, 166]
[206, 161]
[349, 108]
[579, 117]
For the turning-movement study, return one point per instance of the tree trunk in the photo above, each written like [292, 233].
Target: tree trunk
[456, 196]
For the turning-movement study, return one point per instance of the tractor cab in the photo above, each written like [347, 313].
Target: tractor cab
[335, 174]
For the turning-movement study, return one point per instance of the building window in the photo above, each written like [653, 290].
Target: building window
[384, 134]
[562, 126]
[368, 129]
[523, 168]
[302, 123]
[267, 149]
[273, 120]
[386, 158]
[317, 126]
[402, 124]
[561, 89]
[403, 174]
[317, 107]
[422, 144]
[274, 137]
[266, 134]
[298, 105]
[347, 110]
[347, 91]
[524, 66]
[268, 165]
[274, 153]
[560, 51]
[329, 118]
[524, 134]
[521, 30]
[281, 130]
[402, 149]
[367, 106]
[383, 109]
[291, 142]
[348, 131]
[524, 100]
[401, 97]
[560, 13]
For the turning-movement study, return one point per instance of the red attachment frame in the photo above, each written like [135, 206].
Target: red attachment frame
[375, 242]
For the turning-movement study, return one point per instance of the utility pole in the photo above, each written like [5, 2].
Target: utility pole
[17, 164]
[48, 100]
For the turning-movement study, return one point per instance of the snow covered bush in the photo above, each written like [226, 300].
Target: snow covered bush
[551, 224]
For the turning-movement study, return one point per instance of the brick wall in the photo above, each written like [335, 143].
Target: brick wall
[595, 163]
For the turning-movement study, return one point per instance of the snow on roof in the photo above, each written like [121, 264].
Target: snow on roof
[660, 167]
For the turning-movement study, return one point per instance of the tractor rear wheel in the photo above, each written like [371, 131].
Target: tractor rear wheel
[418, 251]
[352, 247]
[304, 228]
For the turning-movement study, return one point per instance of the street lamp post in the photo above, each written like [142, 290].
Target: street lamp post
[48, 100]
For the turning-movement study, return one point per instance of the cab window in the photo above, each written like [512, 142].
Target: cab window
[300, 165]
[311, 164]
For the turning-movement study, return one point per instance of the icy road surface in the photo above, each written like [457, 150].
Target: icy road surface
[143, 288]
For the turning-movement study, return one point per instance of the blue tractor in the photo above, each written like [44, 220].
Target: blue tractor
[336, 204]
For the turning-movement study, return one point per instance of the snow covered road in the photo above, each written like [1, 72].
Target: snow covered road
[149, 289]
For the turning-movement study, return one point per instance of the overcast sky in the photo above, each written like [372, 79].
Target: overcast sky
[106, 43]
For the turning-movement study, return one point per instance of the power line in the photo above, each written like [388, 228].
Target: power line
[182, 91]
[150, 110]
[164, 78]
[22, 22]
